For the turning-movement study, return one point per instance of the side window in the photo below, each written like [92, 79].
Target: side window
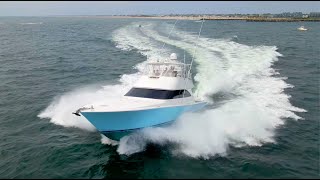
[179, 94]
[186, 93]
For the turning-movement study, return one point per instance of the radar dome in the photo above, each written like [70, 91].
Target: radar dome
[173, 56]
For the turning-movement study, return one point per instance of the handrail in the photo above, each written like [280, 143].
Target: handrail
[179, 69]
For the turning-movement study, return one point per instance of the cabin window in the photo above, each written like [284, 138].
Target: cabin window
[157, 94]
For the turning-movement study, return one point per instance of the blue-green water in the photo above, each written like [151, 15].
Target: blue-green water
[262, 80]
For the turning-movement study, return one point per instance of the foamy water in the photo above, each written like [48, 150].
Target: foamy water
[257, 103]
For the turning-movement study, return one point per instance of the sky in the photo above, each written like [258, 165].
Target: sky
[51, 8]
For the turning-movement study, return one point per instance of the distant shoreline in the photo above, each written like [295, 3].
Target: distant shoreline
[196, 18]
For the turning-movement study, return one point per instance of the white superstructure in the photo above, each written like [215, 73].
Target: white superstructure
[164, 83]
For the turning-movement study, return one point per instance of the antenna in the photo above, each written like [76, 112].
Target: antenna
[184, 51]
[195, 47]
[184, 56]
[193, 56]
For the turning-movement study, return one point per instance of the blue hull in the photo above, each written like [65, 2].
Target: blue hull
[115, 125]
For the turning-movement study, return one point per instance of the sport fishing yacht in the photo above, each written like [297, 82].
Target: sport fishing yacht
[158, 98]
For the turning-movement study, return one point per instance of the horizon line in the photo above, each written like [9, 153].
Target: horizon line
[152, 14]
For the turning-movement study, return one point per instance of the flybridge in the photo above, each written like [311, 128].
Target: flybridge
[168, 68]
[166, 75]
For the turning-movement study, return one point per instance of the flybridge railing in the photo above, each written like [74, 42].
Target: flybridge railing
[156, 70]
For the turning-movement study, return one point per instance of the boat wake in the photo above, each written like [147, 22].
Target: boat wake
[30, 23]
[247, 94]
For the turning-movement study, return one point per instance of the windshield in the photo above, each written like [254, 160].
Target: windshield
[158, 94]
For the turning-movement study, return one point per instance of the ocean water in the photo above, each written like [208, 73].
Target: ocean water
[261, 80]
